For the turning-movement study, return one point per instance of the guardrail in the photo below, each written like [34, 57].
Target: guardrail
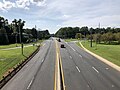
[16, 69]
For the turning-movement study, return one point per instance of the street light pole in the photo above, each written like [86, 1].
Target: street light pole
[90, 37]
[20, 37]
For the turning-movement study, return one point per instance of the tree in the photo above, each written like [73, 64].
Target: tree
[117, 37]
[3, 33]
[78, 36]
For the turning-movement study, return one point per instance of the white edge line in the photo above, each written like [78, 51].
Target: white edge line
[80, 55]
[30, 83]
[78, 69]
[70, 57]
[95, 69]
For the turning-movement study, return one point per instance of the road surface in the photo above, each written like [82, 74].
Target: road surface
[85, 72]
[81, 70]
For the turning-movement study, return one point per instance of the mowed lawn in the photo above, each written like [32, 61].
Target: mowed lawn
[109, 52]
[69, 40]
[10, 58]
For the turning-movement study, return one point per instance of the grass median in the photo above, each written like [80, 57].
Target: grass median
[109, 52]
[10, 58]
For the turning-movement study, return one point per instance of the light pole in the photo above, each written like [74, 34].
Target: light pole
[90, 30]
[20, 36]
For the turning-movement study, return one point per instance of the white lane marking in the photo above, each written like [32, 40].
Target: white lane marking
[78, 69]
[70, 57]
[88, 86]
[80, 55]
[106, 68]
[42, 60]
[72, 48]
[113, 86]
[30, 83]
[95, 69]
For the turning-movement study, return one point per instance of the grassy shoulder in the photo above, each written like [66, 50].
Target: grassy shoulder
[109, 52]
[18, 45]
[69, 40]
[10, 58]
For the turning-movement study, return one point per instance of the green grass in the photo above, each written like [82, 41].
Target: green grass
[10, 58]
[69, 40]
[18, 45]
[109, 52]
[8, 46]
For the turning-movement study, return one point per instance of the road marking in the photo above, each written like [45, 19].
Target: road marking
[95, 69]
[70, 57]
[88, 86]
[71, 47]
[113, 86]
[30, 83]
[57, 85]
[42, 60]
[78, 69]
[106, 68]
[80, 55]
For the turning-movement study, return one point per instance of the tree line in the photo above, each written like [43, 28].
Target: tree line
[14, 32]
[100, 35]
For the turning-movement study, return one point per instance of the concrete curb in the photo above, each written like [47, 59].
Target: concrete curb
[102, 59]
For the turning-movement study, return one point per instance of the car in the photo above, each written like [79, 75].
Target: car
[59, 40]
[62, 46]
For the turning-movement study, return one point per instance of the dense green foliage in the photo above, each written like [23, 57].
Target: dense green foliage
[106, 35]
[14, 32]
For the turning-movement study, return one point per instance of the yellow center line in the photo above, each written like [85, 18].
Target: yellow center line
[58, 67]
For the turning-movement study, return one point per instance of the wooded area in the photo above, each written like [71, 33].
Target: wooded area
[14, 32]
[105, 35]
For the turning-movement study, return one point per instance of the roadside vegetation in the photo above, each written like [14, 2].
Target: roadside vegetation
[69, 40]
[109, 52]
[11, 58]
[13, 35]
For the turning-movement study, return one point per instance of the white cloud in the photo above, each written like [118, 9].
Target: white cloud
[25, 4]
[6, 5]
[22, 3]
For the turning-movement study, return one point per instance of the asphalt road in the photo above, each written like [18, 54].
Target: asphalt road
[81, 70]
[38, 73]
[85, 72]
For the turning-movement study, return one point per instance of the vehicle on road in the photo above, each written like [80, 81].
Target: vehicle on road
[62, 46]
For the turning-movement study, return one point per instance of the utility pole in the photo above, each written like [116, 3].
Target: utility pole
[20, 37]
[90, 37]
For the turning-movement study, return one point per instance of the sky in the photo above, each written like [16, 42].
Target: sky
[54, 14]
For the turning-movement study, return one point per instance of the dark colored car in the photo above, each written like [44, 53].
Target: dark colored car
[62, 46]
[59, 40]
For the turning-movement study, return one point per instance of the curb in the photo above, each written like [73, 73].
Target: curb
[101, 58]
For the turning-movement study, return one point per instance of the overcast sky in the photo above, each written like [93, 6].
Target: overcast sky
[53, 14]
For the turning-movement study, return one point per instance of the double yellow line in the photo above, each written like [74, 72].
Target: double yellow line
[59, 83]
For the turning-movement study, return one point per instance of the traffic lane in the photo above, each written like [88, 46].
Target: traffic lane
[89, 73]
[44, 79]
[73, 78]
[101, 66]
[111, 78]
[22, 79]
